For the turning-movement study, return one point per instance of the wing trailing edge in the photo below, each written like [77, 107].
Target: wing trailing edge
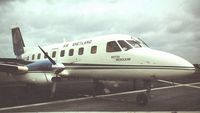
[13, 68]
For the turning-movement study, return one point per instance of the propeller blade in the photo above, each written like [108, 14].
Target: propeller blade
[50, 59]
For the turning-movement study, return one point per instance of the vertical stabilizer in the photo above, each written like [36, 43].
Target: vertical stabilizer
[18, 43]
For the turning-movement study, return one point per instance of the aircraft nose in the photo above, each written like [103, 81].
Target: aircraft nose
[159, 58]
[169, 59]
[163, 64]
[180, 66]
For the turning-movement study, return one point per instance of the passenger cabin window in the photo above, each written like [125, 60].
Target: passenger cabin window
[93, 50]
[27, 58]
[125, 46]
[38, 56]
[71, 52]
[53, 54]
[80, 51]
[33, 57]
[112, 47]
[45, 55]
[62, 53]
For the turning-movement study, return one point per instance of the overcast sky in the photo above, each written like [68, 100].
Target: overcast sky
[168, 25]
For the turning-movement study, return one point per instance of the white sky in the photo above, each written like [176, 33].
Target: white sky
[168, 25]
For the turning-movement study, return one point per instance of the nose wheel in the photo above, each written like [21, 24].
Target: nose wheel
[142, 99]
[56, 79]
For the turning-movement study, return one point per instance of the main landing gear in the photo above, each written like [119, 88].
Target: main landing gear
[54, 85]
[143, 98]
[56, 79]
[98, 87]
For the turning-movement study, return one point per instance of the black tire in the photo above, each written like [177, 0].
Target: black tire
[56, 79]
[142, 99]
[99, 88]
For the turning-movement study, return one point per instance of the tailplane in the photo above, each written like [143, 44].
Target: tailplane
[18, 43]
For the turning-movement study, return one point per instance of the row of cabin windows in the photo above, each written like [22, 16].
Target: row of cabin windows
[62, 53]
[112, 46]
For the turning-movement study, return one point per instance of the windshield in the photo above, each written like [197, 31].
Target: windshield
[142, 43]
[125, 46]
[134, 44]
[112, 46]
[137, 43]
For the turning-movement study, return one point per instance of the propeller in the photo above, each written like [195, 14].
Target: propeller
[46, 55]
[58, 68]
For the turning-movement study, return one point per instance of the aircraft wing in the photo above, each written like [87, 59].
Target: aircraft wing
[13, 65]
[14, 61]
[13, 68]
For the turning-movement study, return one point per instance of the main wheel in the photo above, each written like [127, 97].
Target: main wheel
[56, 79]
[99, 88]
[142, 99]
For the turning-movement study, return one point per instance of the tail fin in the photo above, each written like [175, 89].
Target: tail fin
[18, 43]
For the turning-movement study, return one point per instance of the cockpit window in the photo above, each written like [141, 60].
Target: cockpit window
[137, 43]
[124, 45]
[112, 47]
[142, 43]
[134, 44]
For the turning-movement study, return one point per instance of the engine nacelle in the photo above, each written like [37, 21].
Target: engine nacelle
[44, 65]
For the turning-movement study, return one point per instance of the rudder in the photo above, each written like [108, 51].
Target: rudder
[18, 43]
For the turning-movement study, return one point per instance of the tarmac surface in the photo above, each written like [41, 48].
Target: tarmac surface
[76, 97]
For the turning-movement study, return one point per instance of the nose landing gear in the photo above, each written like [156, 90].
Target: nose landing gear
[142, 99]
[98, 87]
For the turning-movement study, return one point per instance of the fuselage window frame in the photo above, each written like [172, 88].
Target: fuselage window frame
[71, 52]
[53, 54]
[93, 50]
[80, 51]
[33, 56]
[62, 53]
[39, 56]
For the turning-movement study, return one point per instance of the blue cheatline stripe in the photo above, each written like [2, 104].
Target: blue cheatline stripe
[116, 67]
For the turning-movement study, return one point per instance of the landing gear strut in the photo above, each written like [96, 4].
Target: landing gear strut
[54, 85]
[143, 98]
[98, 87]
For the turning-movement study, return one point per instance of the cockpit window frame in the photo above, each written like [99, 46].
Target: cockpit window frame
[141, 41]
[135, 43]
[128, 46]
[110, 48]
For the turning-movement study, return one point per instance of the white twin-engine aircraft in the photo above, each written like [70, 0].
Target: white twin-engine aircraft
[110, 57]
